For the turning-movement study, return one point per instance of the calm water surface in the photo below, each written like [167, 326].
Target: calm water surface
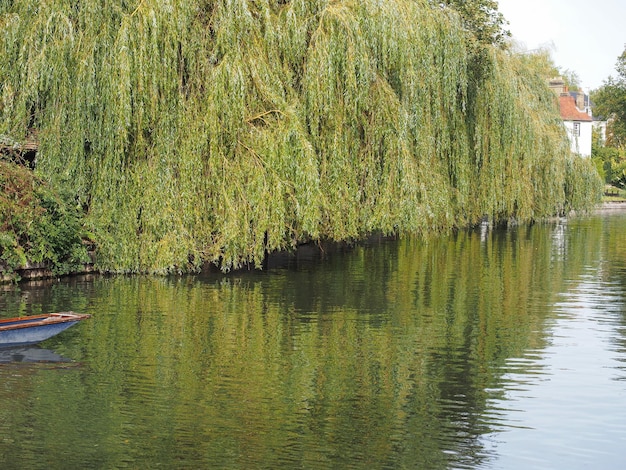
[484, 349]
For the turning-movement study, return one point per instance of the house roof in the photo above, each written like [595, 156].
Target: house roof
[587, 98]
[569, 111]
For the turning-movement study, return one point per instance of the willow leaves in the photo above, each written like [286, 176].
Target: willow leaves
[219, 130]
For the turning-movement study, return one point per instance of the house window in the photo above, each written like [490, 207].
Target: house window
[576, 129]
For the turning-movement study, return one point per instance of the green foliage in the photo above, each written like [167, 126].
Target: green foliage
[36, 224]
[542, 62]
[610, 162]
[215, 130]
[597, 139]
[598, 163]
[482, 19]
[583, 187]
[610, 103]
[613, 163]
[571, 78]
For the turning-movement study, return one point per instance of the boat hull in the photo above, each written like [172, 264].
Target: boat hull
[31, 330]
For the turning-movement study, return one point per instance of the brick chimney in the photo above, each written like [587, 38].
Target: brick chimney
[557, 85]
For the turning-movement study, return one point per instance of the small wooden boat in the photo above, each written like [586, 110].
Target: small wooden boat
[36, 328]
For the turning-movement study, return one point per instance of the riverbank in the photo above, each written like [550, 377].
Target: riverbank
[37, 271]
[610, 206]
[304, 253]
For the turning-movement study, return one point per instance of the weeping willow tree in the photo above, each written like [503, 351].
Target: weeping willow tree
[218, 130]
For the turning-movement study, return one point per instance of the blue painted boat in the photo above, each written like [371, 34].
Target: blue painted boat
[36, 328]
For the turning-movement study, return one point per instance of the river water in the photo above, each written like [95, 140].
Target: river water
[486, 349]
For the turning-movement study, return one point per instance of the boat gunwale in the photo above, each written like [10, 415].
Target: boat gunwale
[33, 321]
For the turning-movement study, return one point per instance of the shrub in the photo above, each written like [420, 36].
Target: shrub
[37, 224]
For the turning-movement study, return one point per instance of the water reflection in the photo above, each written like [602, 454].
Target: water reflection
[570, 413]
[399, 354]
[29, 354]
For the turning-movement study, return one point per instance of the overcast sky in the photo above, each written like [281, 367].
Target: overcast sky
[585, 36]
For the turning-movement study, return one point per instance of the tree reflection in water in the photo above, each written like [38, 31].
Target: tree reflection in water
[390, 355]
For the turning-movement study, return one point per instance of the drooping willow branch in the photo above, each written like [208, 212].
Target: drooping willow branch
[217, 130]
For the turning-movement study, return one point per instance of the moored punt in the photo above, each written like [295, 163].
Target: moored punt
[36, 328]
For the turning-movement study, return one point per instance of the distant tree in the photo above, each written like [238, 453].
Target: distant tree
[611, 164]
[482, 18]
[610, 104]
[541, 60]
[571, 78]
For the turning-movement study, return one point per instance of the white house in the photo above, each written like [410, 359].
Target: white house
[576, 114]
[578, 123]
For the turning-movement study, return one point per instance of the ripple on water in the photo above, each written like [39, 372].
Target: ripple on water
[567, 402]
